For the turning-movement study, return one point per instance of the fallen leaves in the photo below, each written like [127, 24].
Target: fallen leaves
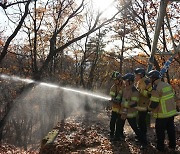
[90, 135]
[82, 135]
[10, 149]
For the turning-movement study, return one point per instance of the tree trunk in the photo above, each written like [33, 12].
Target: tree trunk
[5, 49]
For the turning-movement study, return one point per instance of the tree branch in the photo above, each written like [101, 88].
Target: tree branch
[4, 51]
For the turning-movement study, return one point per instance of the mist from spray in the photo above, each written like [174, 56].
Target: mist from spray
[16, 78]
[41, 108]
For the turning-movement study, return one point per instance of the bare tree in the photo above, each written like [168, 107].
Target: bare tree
[143, 17]
[54, 49]
[11, 37]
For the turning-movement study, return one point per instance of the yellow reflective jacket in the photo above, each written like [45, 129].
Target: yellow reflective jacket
[130, 97]
[164, 95]
[144, 87]
[116, 93]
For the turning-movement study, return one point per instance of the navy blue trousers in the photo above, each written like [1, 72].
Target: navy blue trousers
[116, 125]
[162, 125]
[142, 122]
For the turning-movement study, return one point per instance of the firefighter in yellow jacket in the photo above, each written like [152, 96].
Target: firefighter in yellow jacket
[129, 104]
[144, 87]
[163, 108]
[116, 97]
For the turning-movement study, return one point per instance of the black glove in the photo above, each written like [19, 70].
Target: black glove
[114, 100]
[149, 95]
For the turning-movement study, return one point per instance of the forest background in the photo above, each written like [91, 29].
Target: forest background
[69, 43]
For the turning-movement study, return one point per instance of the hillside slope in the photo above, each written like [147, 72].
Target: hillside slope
[89, 134]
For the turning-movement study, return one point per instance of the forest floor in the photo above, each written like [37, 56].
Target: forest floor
[89, 134]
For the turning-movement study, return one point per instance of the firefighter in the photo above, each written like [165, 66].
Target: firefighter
[116, 97]
[163, 108]
[129, 104]
[144, 87]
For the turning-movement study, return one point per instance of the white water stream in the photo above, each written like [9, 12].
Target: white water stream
[83, 92]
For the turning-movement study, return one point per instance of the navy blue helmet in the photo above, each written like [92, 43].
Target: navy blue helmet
[129, 77]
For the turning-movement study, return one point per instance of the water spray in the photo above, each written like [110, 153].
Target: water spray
[16, 78]
[91, 94]
[86, 93]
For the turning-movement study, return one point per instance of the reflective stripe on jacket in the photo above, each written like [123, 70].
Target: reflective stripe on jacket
[164, 95]
[116, 92]
[130, 97]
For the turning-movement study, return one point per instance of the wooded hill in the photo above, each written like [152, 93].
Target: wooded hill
[66, 43]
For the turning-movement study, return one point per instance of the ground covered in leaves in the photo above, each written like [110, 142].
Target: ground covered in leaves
[90, 134]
